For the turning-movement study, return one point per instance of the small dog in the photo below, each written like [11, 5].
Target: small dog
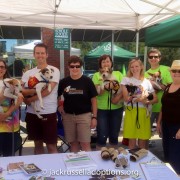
[108, 78]
[39, 82]
[11, 89]
[138, 92]
[156, 80]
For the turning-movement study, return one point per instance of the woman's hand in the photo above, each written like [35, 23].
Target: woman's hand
[178, 134]
[4, 116]
[20, 98]
[158, 128]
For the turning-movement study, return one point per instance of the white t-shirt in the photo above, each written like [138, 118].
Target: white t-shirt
[50, 101]
[146, 86]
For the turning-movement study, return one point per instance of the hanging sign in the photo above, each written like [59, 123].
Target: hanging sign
[62, 39]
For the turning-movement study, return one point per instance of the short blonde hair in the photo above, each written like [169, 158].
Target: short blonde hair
[133, 60]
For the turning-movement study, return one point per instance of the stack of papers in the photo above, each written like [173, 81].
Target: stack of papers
[79, 161]
[160, 171]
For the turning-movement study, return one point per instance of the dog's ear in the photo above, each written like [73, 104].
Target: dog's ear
[10, 81]
[150, 74]
[52, 70]
[100, 70]
[110, 70]
[43, 70]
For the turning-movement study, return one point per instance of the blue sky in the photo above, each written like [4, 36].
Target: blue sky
[9, 44]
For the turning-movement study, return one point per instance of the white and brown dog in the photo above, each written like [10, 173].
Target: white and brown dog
[156, 80]
[107, 78]
[40, 81]
[12, 88]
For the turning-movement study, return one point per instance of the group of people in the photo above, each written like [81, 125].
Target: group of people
[84, 107]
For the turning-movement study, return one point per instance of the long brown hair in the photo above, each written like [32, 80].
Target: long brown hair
[6, 75]
[133, 60]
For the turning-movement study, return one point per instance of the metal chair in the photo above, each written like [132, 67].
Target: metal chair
[64, 146]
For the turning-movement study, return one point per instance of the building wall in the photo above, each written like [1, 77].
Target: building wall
[54, 54]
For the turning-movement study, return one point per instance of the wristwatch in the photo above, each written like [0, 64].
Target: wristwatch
[93, 117]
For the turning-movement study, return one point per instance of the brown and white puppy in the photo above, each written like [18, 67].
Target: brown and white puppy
[109, 82]
[40, 81]
[11, 89]
[156, 80]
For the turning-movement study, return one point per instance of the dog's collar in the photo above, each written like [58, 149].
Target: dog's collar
[44, 80]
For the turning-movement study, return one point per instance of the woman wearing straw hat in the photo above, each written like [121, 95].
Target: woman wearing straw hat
[169, 122]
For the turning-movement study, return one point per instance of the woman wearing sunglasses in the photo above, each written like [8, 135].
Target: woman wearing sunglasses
[9, 117]
[79, 110]
[169, 122]
[154, 58]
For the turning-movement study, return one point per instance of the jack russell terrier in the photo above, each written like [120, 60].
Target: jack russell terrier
[39, 81]
[11, 89]
[107, 78]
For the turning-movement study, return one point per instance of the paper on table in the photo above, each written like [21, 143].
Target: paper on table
[160, 171]
[79, 161]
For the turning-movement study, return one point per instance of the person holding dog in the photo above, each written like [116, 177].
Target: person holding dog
[42, 130]
[135, 90]
[79, 110]
[154, 58]
[9, 117]
[109, 116]
[168, 124]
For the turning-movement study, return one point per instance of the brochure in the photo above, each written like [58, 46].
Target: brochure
[79, 160]
[30, 168]
[14, 167]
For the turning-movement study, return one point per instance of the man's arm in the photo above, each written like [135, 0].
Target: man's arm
[44, 93]
[94, 112]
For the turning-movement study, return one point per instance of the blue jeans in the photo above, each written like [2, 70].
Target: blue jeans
[108, 126]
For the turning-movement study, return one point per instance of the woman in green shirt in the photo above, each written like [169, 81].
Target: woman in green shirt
[109, 116]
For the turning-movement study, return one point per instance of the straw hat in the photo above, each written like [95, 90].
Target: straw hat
[175, 64]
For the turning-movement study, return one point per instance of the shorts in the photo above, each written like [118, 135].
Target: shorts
[39, 129]
[77, 127]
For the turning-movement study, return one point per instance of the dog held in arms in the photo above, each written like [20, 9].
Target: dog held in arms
[40, 81]
[136, 92]
[12, 88]
[108, 79]
[156, 80]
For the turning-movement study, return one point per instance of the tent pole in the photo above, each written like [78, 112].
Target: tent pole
[61, 64]
[145, 58]
[112, 47]
[137, 43]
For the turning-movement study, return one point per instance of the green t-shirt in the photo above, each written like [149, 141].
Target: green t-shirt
[103, 99]
[166, 79]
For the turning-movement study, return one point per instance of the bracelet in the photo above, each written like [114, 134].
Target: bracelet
[93, 117]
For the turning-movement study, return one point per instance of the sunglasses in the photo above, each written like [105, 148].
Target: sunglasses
[175, 71]
[74, 66]
[2, 67]
[151, 57]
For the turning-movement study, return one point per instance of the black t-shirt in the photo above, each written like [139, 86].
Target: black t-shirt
[77, 94]
[170, 107]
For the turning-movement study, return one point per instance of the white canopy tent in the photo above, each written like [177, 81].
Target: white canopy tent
[87, 14]
[26, 51]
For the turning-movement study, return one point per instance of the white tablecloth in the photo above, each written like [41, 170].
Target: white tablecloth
[54, 164]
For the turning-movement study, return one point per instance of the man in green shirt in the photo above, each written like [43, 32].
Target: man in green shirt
[154, 58]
